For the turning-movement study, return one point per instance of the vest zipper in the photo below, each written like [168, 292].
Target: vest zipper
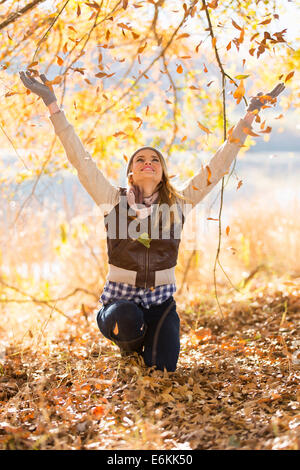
[147, 262]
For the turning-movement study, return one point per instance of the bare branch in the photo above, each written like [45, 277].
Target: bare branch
[16, 15]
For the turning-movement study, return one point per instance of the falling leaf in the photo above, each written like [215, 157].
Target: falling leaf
[117, 134]
[59, 60]
[197, 47]
[142, 48]
[241, 77]
[208, 175]
[266, 21]
[236, 25]
[211, 218]
[239, 184]
[227, 230]
[179, 69]
[250, 132]
[33, 64]
[213, 4]
[267, 130]
[205, 129]
[184, 35]
[289, 76]
[72, 28]
[78, 10]
[279, 117]
[144, 239]
[239, 92]
[124, 26]
[194, 187]
[228, 46]
[100, 75]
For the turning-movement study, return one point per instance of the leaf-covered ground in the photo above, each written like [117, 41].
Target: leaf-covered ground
[236, 385]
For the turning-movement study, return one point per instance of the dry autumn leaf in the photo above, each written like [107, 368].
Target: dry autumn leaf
[236, 25]
[289, 76]
[239, 184]
[248, 131]
[267, 130]
[205, 129]
[60, 61]
[266, 21]
[208, 175]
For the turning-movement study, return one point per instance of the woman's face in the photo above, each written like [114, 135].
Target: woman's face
[146, 166]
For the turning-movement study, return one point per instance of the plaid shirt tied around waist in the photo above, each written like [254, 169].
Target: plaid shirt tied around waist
[147, 297]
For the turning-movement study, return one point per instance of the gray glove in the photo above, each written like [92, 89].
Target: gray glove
[38, 88]
[256, 103]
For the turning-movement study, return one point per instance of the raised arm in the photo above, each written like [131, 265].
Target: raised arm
[202, 183]
[90, 176]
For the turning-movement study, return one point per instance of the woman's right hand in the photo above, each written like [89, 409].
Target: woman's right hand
[40, 89]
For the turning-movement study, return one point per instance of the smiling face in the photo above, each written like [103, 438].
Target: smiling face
[146, 166]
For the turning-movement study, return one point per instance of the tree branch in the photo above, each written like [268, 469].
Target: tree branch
[16, 15]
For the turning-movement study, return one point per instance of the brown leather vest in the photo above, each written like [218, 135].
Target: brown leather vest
[129, 253]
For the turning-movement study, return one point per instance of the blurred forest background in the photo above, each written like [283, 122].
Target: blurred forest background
[160, 73]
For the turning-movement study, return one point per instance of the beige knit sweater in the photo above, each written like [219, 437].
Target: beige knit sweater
[105, 193]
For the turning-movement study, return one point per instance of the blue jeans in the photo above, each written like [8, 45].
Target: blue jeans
[153, 332]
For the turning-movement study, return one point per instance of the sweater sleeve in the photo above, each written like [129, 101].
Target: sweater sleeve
[90, 176]
[203, 182]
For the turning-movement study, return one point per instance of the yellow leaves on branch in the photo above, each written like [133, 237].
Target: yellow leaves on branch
[239, 92]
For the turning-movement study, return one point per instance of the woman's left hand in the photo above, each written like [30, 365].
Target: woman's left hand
[260, 99]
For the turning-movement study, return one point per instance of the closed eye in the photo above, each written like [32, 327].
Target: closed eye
[140, 158]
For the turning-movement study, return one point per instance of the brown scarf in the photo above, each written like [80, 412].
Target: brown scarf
[140, 204]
